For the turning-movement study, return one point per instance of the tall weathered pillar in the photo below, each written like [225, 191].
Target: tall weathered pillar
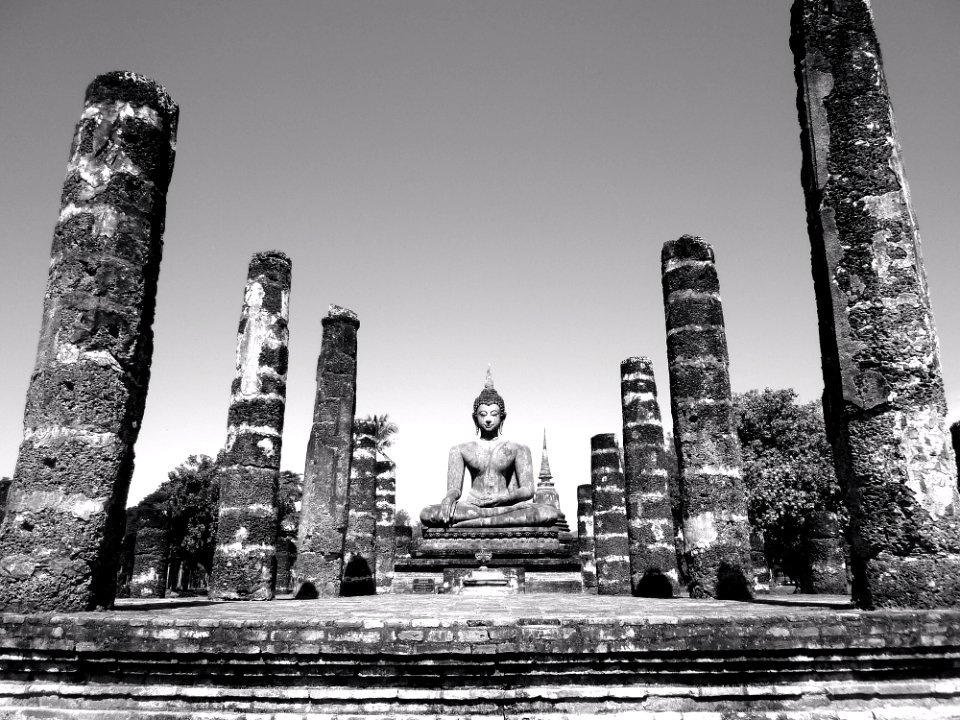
[359, 548]
[609, 517]
[149, 576]
[326, 477]
[715, 528]
[245, 559]
[386, 531]
[653, 556]
[60, 538]
[880, 354]
[585, 535]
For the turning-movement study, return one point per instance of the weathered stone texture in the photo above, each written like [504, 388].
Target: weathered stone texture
[884, 397]
[828, 567]
[585, 535]
[4, 491]
[715, 528]
[450, 657]
[244, 563]
[60, 539]
[360, 551]
[611, 546]
[149, 576]
[653, 557]
[326, 476]
[386, 529]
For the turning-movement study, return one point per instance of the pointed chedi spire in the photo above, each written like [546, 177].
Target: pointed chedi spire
[546, 493]
[545, 476]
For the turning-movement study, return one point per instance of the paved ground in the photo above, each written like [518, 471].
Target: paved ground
[459, 607]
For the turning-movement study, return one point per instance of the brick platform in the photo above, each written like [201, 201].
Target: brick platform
[523, 656]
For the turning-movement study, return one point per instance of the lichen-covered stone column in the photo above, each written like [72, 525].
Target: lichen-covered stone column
[359, 556]
[609, 516]
[61, 535]
[386, 531]
[585, 536]
[326, 476]
[653, 556]
[149, 576]
[715, 528]
[880, 353]
[828, 568]
[244, 563]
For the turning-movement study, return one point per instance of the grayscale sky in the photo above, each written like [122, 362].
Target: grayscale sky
[482, 182]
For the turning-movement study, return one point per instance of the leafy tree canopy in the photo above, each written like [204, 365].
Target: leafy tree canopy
[788, 472]
[380, 426]
[189, 497]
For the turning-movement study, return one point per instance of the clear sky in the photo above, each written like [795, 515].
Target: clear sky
[482, 182]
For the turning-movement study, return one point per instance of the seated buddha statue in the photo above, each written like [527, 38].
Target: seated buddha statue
[501, 477]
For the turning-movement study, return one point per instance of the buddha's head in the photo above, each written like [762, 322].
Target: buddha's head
[489, 410]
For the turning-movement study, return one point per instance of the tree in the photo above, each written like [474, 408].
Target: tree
[190, 497]
[380, 426]
[788, 473]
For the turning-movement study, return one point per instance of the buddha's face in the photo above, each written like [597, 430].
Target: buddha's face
[489, 418]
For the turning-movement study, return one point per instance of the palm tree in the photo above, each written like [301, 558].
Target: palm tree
[380, 426]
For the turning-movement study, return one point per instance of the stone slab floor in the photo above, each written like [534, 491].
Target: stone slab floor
[460, 607]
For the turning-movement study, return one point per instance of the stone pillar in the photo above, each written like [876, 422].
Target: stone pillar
[880, 353]
[653, 556]
[828, 568]
[244, 563]
[149, 576]
[323, 513]
[715, 528]
[955, 444]
[386, 533]
[404, 540]
[588, 560]
[4, 491]
[609, 517]
[60, 539]
[359, 556]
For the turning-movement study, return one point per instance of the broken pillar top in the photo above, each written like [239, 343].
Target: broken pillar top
[273, 263]
[687, 247]
[639, 363]
[131, 87]
[341, 314]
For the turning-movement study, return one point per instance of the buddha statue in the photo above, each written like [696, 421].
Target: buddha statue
[501, 477]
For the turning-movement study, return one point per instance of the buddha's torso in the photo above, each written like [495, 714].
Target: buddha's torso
[491, 466]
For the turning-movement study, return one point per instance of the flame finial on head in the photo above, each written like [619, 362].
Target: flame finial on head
[489, 396]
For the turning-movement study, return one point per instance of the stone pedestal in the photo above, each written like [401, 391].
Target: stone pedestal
[323, 515]
[244, 563]
[541, 559]
[884, 400]
[60, 538]
[715, 528]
